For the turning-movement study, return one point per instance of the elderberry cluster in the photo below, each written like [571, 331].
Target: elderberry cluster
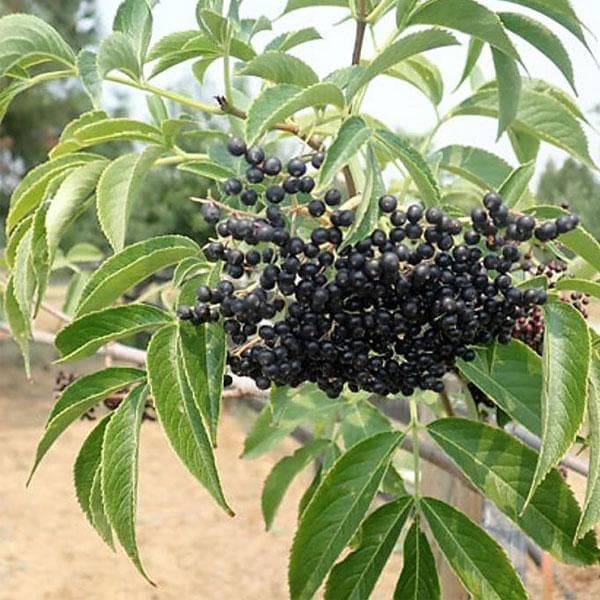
[388, 312]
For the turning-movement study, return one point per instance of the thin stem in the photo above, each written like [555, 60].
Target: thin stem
[414, 427]
[175, 96]
[358, 41]
[227, 77]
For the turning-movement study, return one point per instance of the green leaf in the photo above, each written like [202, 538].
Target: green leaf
[291, 39]
[97, 128]
[178, 415]
[279, 67]
[33, 187]
[591, 506]
[336, 510]
[469, 17]
[351, 137]
[296, 4]
[203, 354]
[480, 167]
[566, 363]
[476, 559]
[74, 290]
[509, 89]
[502, 468]
[19, 324]
[87, 472]
[208, 169]
[362, 420]
[279, 102]
[120, 471]
[525, 146]
[77, 398]
[516, 184]
[367, 212]
[408, 46]
[418, 579]
[119, 188]
[355, 577]
[404, 9]
[539, 115]
[120, 272]
[116, 53]
[422, 74]
[70, 199]
[86, 334]
[134, 20]
[87, 67]
[282, 475]
[591, 288]
[513, 381]
[579, 241]
[542, 38]
[415, 164]
[559, 11]
[215, 26]
[25, 37]
[473, 54]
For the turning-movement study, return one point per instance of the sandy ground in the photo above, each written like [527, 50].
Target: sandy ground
[191, 549]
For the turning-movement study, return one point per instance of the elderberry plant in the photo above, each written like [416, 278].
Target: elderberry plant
[325, 286]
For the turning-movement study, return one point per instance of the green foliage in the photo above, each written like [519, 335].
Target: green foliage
[104, 201]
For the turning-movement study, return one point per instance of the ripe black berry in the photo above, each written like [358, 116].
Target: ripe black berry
[275, 194]
[255, 155]
[296, 167]
[272, 166]
[316, 208]
[317, 159]
[254, 175]
[236, 146]
[388, 203]
[333, 197]
[210, 213]
[249, 197]
[233, 186]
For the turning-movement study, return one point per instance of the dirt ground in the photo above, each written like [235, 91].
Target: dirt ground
[191, 549]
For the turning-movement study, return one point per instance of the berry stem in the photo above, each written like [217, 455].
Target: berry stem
[414, 429]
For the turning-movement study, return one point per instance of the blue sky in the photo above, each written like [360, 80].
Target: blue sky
[393, 102]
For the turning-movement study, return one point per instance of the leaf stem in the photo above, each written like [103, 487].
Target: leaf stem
[414, 427]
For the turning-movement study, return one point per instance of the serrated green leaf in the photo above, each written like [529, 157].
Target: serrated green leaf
[24, 275]
[86, 334]
[19, 324]
[502, 468]
[25, 37]
[215, 26]
[116, 53]
[290, 39]
[415, 164]
[559, 11]
[77, 398]
[473, 54]
[87, 67]
[591, 507]
[178, 415]
[208, 169]
[404, 9]
[134, 19]
[469, 17]
[71, 198]
[565, 368]
[282, 475]
[74, 290]
[422, 74]
[539, 115]
[418, 579]
[480, 167]
[279, 67]
[579, 241]
[120, 451]
[86, 472]
[32, 188]
[542, 38]
[516, 184]
[130, 266]
[509, 89]
[336, 510]
[96, 128]
[355, 577]
[525, 146]
[296, 4]
[118, 189]
[591, 288]
[362, 420]
[513, 381]
[279, 102]
[476, 559]
[367, 212]
[408, 46]
[351, 137]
